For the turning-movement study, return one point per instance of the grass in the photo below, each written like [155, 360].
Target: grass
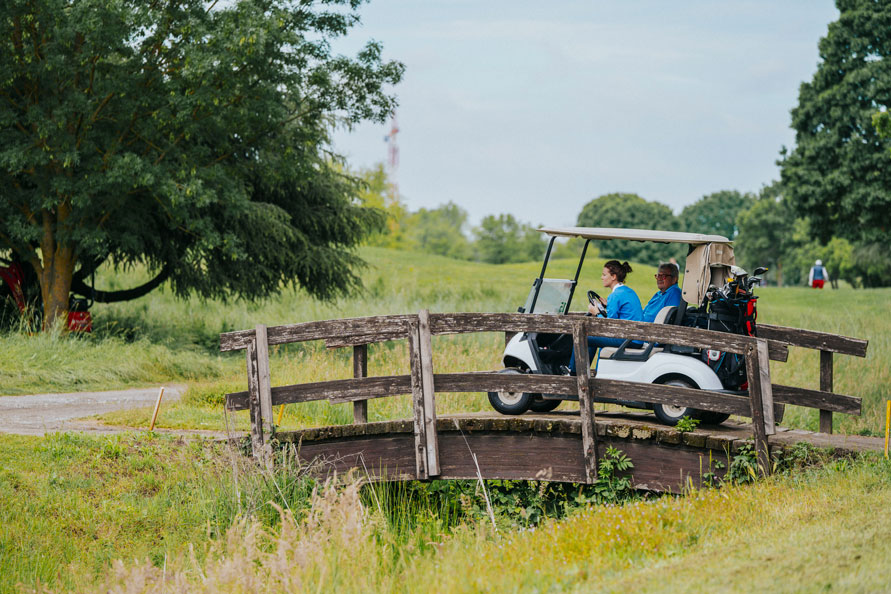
[193, 517]
[160, 339]
[792, 533]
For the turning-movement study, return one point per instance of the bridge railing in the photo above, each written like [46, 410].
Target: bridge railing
[422, 383]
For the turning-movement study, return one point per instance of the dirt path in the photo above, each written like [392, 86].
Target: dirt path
[38, 414]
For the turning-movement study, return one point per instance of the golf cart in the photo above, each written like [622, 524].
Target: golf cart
[716, 295]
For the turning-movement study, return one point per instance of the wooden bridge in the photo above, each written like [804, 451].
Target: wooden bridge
[556, 446]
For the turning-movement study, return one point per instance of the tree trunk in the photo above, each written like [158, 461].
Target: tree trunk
[55, 273]
[779, 273]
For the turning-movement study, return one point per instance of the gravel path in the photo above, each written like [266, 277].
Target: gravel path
[38, 414]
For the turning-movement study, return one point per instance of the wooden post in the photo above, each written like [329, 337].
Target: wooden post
[826, 386]
[761, 400]
[425, 343]
[263, 382]
[254, 399]
[360, 369]
[417, 397]
[586, 409]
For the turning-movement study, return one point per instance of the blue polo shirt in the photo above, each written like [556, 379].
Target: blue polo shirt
[623, 304]
[670, 296]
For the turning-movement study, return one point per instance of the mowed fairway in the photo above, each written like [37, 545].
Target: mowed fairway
[161, 339]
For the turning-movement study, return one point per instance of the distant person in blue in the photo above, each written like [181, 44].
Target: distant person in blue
[668, 294]
[622, 304]
[818, 275]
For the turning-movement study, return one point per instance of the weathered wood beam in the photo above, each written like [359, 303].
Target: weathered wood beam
[811, 339]
[586, 406]
[825, 386]
[417, 399]
[345, 328]
[335, 391]
[839, 403]
[360, 370]
[761, 401]
[263, 381]
[252, 400]
[425, 347]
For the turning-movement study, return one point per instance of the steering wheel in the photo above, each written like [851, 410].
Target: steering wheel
[594, 299]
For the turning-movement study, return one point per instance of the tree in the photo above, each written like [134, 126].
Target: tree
[439, 231]
[716, 213]
[502, 239]
[766, 232]
[378, 192]
[838, 174]
[191, 137]
[630, 211]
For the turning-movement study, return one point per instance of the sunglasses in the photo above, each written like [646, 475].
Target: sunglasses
[663, 276]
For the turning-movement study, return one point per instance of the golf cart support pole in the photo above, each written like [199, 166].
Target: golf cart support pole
[544, 267]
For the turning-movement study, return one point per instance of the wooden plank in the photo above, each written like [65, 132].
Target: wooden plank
[360, 369]
[254, 400]
[459, 323]
[811, 339]
[417, 393]
[548, 456]
[425, 345]
[839, 403]
[344, 328]
[753, 373]
[770, 426]
[264, 385]
[335, 391]
[586, 407]
[489, 381]
[825, 386]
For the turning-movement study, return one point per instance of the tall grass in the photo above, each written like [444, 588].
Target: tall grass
[790, 533]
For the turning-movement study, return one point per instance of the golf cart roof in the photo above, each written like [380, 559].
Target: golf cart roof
[635, 235]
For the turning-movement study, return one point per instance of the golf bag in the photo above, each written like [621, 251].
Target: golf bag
[733, 311]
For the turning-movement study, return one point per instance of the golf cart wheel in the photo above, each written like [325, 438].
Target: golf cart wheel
[671, 414]
[712, 418]
[511, 403]
[540, 405]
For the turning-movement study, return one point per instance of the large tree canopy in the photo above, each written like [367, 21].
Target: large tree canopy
[716, 213]
[630, 211]
[838, 174]
[185, 135]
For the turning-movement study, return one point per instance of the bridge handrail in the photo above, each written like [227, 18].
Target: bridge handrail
[358, 332]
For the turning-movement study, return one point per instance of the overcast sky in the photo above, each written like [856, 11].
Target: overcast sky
[535, 108]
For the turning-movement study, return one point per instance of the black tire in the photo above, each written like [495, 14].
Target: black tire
[670, 414]
[712, 418]
[540, 405]
[510, 403]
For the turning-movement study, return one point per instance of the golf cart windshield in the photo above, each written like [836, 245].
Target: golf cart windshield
[553, 296]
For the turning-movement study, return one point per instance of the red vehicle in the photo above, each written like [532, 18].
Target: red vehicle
[19, 290]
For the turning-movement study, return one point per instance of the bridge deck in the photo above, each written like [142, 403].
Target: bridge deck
[546, 447]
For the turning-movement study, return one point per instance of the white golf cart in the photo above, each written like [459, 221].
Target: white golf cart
[709, 265]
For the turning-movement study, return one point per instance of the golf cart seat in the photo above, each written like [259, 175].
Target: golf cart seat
[626, 353]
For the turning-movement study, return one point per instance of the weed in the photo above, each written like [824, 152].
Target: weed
[686, 424]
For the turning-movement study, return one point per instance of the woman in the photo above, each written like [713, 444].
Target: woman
[622, 304]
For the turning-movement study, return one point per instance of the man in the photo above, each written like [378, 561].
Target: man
[668, 294]
[818, 275]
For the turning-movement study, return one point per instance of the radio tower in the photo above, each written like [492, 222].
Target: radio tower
[393, 154]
